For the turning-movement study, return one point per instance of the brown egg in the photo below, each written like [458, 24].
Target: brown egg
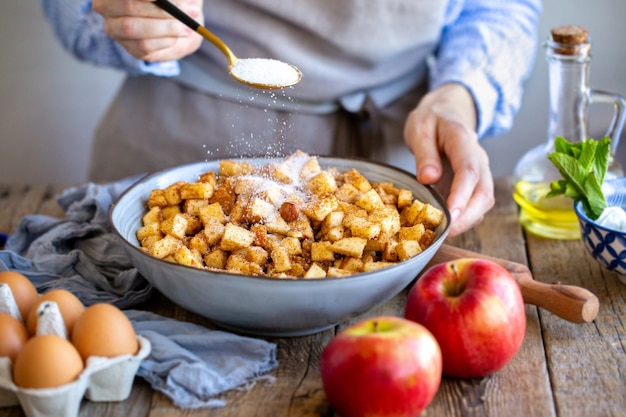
[13, 336]
[47, 361]
[104, 330]
[69, 306]
[24, 292]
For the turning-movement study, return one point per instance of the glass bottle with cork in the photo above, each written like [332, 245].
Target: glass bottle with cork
[568, 55]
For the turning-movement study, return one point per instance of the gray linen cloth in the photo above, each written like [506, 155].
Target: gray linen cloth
[189, 363]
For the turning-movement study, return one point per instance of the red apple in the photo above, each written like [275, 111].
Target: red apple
[475, 310]
[382, 366]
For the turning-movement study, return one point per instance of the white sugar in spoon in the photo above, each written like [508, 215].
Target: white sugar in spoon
[263, 73]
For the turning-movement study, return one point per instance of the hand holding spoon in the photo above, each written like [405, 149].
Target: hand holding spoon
[263, 73]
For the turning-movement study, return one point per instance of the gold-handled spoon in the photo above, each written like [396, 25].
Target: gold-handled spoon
[263, 73]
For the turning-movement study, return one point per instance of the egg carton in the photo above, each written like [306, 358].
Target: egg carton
[103, 380]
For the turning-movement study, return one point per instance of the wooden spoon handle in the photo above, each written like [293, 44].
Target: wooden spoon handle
[574, 304]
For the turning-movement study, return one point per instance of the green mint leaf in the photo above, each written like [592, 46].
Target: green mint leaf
[557, 188]
[571, 170]
[561, 145]
[595, 197]
[602, 158]
[587, 155]
[573, 192]
[583, 167]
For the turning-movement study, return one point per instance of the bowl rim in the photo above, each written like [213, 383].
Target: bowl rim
[142, 179]
[580, 212]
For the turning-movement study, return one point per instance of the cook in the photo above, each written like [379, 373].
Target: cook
[414, 83]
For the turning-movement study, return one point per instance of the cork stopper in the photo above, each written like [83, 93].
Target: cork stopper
[570, 35]
[570, 40]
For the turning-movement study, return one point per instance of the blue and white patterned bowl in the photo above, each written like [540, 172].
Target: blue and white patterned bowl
[607, 246]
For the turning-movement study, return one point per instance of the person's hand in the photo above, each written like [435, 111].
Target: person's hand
[149, 33]
[440, 132]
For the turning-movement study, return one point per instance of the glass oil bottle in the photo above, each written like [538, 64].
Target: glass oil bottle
[568, 56]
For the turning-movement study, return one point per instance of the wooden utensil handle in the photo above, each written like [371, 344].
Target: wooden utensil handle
[574, 304]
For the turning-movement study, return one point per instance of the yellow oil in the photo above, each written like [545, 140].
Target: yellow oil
[552, 218]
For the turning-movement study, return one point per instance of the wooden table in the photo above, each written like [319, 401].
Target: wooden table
[562, 369]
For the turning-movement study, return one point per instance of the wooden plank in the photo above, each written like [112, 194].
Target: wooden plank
[522, 387]
[137, 405]
[49, 206]
[19, 200]
[587, 362]
[296, 390]
[11, 199]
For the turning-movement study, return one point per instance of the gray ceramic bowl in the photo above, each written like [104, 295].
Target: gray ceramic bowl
[605, 245]
[266, 306]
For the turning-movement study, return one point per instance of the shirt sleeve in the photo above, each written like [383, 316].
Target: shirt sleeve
[81, 32]
[489, 46]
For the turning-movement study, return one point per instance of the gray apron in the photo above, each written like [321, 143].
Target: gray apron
[364, 69]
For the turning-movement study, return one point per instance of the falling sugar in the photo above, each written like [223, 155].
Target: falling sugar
[269, 73]
[249, 144]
